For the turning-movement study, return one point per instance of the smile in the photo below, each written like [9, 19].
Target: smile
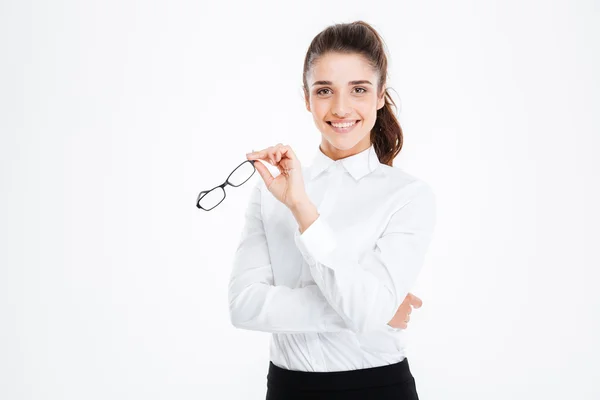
[343, 128]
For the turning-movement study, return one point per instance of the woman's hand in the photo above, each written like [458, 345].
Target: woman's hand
[288, 186]
[402, 316]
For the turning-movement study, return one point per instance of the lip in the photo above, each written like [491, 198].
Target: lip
[342, 121]
[343, 130]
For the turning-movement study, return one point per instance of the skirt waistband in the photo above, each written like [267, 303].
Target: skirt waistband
[339, 380]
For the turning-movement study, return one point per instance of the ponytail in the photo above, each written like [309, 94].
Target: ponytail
[386, 134]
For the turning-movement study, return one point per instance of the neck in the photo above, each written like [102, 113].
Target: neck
[337, 154]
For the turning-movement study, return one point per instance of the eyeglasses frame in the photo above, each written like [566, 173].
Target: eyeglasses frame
[223, 185]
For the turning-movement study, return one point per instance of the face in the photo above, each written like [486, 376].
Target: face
[343, 89]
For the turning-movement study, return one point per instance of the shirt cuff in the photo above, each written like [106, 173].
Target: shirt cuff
[317, 242]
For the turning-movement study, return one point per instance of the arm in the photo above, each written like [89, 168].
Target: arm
[367, 292]
[256, 304]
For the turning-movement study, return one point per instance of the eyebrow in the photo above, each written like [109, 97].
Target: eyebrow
[361, 82]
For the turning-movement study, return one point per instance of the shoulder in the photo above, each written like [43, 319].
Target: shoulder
[414, 201]
[406, 185]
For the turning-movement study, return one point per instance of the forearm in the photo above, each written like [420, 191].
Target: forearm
[280, 309]
[256, 303]
[366, 289]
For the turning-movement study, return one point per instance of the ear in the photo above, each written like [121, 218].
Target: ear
[307, 104]
[381, 99]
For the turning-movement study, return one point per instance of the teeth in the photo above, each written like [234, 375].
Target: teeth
[343, 125]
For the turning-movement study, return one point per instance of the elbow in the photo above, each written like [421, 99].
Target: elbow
[234, 308]
[242, 312]
[237, 317]
[234, 317]
[241, 319]
[236, 322]
[236, 312]
[235, 297]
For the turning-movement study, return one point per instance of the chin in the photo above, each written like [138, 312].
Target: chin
[343, 143]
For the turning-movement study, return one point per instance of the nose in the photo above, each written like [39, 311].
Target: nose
[340, 114]
[339, 108]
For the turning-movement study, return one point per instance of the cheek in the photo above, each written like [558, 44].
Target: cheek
[369, 111]
[362, 105]
[319, 110]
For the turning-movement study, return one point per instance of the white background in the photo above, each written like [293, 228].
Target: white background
[114, 115]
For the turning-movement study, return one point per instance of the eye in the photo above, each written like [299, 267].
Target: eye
[360, 89]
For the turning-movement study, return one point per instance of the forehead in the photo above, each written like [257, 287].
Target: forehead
[341, 68]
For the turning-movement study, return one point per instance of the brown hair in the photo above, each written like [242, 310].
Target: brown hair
[361, 38]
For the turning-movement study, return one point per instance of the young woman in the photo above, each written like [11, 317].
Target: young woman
[329, 252]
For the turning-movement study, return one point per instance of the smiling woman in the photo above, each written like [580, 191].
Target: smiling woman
[329, 253]
[344, 82]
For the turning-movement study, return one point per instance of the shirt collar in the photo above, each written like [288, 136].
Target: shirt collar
[358, 165]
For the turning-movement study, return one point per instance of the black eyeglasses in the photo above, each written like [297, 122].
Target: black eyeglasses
[209, 199]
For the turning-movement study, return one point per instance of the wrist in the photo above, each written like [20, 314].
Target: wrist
[299, 205]
[305, 213]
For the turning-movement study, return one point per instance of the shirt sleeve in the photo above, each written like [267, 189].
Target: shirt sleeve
[367, 290]
[256, 304]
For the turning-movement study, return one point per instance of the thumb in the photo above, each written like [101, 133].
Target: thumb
[264, 173]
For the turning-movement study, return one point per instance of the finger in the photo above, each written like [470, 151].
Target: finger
[269, 154]
[277, 155]
[287, 150]
[277, 151]
[416, 302]
[267, 157]
[273, 154]
[280, 151]
[264, 173]
[407, 299]
[260, 154]
[255, 155]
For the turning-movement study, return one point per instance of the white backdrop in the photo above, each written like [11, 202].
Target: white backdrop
[115, 114]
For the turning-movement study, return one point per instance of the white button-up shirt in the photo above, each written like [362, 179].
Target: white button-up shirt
[326, 295]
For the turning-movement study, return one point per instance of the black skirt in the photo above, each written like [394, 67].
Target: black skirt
[393, 381]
